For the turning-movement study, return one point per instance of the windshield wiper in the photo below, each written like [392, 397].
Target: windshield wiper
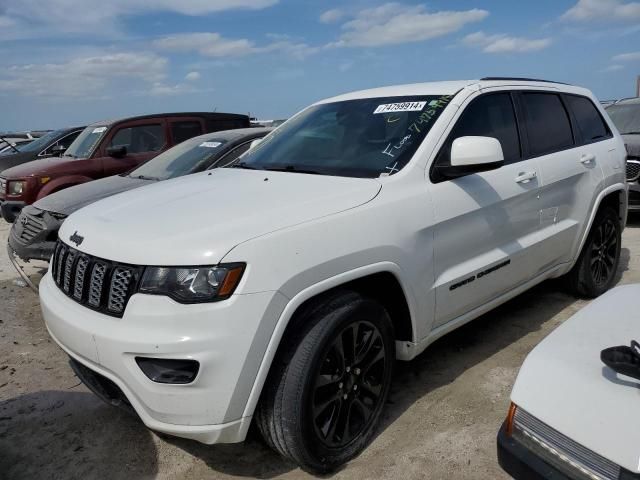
[243, 165]
[292, 168]
[13, 147]
[630, 133]
[144, 177]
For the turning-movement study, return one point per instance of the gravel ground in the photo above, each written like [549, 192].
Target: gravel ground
[444, 412]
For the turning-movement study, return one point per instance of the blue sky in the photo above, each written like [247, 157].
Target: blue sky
[67, 62]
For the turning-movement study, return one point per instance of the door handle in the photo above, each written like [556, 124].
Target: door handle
[526, 177]
[587, 158]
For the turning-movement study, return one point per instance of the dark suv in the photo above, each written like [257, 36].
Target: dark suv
[104, 149]
[626, 116]
[51, 144]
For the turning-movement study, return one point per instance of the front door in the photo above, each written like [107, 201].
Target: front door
[486, 223]
[143, 140]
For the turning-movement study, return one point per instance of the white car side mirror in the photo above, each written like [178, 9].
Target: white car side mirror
[468, 151]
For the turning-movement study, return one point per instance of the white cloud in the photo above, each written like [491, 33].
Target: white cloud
[394, 23]
[83, 77]
[588, 10]
[192, 76]
[99, 16]
[500, 43]
[627, 57]
[217, 46]
[332, 16]
[613, 68]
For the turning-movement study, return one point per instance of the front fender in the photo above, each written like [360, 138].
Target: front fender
[61, 183]
[304, 295]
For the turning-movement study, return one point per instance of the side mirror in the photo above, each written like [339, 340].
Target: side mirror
[58, 150]
[473, 155]
[255, 143]
[117, 152]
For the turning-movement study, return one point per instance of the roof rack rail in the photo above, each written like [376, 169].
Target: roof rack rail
[521, 79]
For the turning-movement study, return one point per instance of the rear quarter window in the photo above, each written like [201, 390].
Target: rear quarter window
[547, 122]
[590, 123]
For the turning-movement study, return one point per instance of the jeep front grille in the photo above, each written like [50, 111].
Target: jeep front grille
[96, 283]
[633, 170]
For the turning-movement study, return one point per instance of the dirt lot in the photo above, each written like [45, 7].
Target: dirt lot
[441, 421]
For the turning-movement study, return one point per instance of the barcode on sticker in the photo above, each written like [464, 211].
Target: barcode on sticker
[99, 129]
[210, 144]
[400, 107]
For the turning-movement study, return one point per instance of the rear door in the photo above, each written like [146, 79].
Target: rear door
[486, 223]
[143, 139]
[184, 128]
[569, 140]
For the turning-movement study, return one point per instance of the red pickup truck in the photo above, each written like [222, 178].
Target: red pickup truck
[104, 149]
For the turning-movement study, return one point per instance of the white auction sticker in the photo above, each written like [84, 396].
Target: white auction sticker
[210, 144]
[400, 107]
[99, 130]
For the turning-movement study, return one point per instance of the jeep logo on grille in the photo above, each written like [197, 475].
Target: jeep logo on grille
[77, 239]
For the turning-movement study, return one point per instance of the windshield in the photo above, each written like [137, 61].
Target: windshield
[626, 117]
[83, 145]
[355, 138]
[187, 157]
[40, 143]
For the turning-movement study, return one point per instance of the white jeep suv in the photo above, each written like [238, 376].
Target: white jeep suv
[282, 290]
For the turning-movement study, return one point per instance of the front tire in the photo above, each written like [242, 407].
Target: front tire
[325, 393]
[596, 268]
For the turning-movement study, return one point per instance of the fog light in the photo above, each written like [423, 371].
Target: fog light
[165, 370]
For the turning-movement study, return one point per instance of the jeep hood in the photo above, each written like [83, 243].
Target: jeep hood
[197, 219]
[564, 384]
[71, 199]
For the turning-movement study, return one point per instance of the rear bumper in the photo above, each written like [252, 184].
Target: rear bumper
[11, 209]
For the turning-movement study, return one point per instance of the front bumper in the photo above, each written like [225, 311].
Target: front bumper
[523, 464]
[11, 209]
[634, 196]
[519, 462]
[33, 236]
[225, 337]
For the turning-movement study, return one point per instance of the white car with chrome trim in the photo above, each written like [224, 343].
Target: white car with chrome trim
[574, 411]
[281, 290]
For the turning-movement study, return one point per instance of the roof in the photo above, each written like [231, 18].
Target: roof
[452, 87]
[210, 115]
[231, 135]
[628, 101]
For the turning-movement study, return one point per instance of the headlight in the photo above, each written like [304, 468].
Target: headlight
[192, 284]
[17, 187]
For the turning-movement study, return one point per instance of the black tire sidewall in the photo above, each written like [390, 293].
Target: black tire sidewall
[586, 280]
[298, 391]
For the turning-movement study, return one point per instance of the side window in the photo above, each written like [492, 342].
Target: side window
[140, 139]
[64, 141]
[490, 115]
[591, 125]
[233, 155]
[184, 130]
[548, 125]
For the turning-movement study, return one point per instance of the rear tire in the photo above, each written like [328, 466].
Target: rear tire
[596, 268]
[327, 387]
